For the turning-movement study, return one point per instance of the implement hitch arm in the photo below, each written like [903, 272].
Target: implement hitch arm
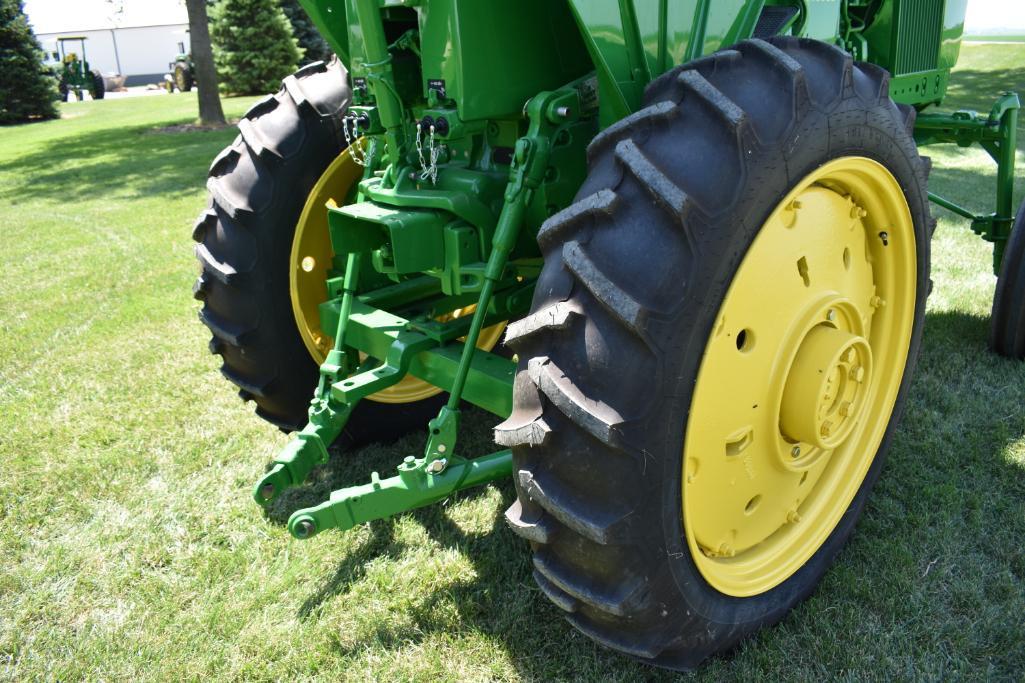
[415, 486]
[997, 134]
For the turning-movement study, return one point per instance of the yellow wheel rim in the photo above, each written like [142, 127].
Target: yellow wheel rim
[799, 377]
[310, 260]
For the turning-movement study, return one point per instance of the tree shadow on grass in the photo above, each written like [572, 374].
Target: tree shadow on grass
[127, 162]
[501, 600]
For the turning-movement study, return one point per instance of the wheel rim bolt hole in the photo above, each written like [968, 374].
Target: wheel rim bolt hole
[745, 340]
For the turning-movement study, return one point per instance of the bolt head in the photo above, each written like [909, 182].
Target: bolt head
[826, 429]
[442, 448]
[795, 452]
[831, 315]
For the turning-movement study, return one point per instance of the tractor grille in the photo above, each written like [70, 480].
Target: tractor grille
[919, 30]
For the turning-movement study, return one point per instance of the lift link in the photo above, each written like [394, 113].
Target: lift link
[426, 480]
[530, 161]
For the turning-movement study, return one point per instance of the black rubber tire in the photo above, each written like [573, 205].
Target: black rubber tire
[1007, 324]
[98, 88]
[635, 273]
[258, 186]
[183, 77]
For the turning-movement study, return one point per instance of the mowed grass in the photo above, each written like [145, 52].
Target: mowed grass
[130, 548]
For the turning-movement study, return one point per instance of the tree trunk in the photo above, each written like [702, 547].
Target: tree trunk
[210, 112]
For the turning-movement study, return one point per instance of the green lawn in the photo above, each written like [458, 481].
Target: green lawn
[130, 547]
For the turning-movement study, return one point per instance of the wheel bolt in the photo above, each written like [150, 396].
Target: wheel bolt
[831, 315]
[827, 428]
[793, 517]
[795, 452]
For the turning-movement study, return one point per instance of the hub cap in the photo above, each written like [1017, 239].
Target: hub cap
[799, 377]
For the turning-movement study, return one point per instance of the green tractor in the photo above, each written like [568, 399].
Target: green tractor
[182, 71]
[679, 249]
[75, 75]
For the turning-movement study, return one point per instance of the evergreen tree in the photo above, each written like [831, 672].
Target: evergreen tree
[306, 33]
[27, 87]
[253, 45]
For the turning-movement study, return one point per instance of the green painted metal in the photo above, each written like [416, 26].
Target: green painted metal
[474, 117]
[419, 482]
[76, 74]
[997, 134]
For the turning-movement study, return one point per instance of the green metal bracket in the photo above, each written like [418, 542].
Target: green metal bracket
[997, 134]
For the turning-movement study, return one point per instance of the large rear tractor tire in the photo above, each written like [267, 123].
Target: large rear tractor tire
[1007, 324]
[719, 348]
[183, 76]
[97, 87]
[260, 190]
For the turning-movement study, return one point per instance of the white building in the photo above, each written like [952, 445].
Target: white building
[134, 38]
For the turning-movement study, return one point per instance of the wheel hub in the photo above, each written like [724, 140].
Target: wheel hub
[824, 392]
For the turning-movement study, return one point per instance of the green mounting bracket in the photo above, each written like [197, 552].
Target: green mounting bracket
[997, 134]
[419, 482]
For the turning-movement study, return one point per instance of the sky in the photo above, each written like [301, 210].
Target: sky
[54, 16]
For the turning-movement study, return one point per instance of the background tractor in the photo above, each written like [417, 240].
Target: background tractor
[75, 75]
[181, 71]
[679, 249]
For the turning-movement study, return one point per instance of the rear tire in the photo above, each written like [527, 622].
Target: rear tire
[183, 77]
[258, 187]
[98, 88]
[1007, 324]
[634, 277]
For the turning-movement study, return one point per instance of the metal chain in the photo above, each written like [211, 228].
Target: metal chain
[419, 146]
[355, 152]
[430, 171]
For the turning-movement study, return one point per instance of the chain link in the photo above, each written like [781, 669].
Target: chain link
[355, 151]
[430, 171]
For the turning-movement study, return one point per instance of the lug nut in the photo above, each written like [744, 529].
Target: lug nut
[831, 315]
[795, 452]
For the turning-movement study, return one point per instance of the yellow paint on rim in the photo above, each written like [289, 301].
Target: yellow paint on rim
[799, 376]
[310, 260]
